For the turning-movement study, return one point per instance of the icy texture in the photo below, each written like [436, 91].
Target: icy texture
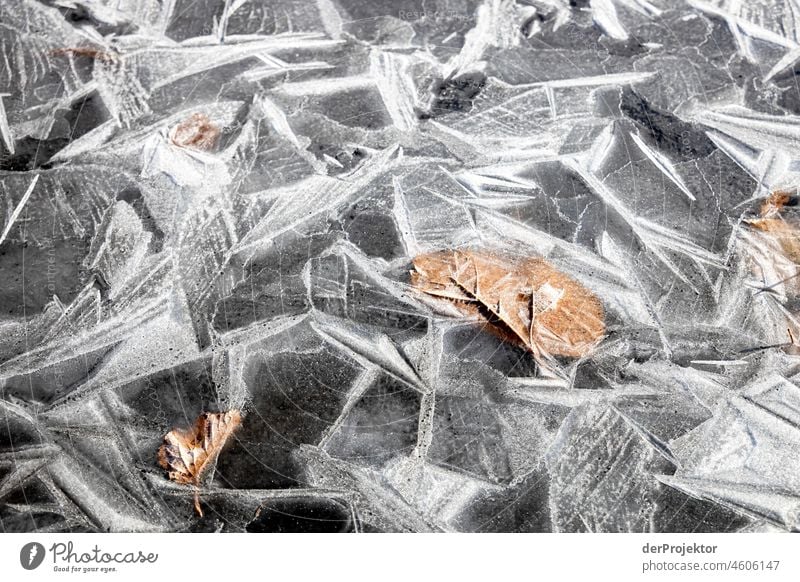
[264, 266]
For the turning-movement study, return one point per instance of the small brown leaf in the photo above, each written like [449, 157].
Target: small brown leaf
[772, 222]
[527, 302]
[197, 132]
[785, 234]
[188, 454]
[776, 202]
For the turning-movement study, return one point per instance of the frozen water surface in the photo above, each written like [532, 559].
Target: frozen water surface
[216, 205]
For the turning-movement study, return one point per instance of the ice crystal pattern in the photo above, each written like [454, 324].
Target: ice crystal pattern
[215, 205]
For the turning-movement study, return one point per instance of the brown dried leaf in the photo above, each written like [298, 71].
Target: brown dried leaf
[89, 52]
[527, 302]
[774, 224]
[784, 233]
[187, 454]
[197, 132]
[776, 202]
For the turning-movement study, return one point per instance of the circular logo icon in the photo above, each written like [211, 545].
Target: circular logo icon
[31, 555]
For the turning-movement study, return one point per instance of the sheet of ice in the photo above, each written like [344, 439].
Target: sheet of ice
[260, 261]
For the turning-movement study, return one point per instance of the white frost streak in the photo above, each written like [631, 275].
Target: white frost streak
[401, 216]
[396, 87]
[5, 130]
[14, 215]
[275, 66]
[605, 16]
[328, 86]
[494, 28]
[663, 164]
[312, 197]
[651, 234]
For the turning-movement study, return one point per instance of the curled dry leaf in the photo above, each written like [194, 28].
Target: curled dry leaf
[527, 302]
[188, 454]
[774, 252]
[774, 224]
[197, 132]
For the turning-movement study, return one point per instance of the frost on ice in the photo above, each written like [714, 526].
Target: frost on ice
[216, 206]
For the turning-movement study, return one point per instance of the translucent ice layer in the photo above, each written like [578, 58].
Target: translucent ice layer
[215, 207]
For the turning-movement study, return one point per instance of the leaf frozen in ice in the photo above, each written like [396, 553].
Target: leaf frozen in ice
[212, 205]
[771, 245]
[85, 51]
[188, 454]
[775, 224]
[197, 132]
[525, 301]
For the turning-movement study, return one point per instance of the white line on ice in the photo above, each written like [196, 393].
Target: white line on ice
[18, 209]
